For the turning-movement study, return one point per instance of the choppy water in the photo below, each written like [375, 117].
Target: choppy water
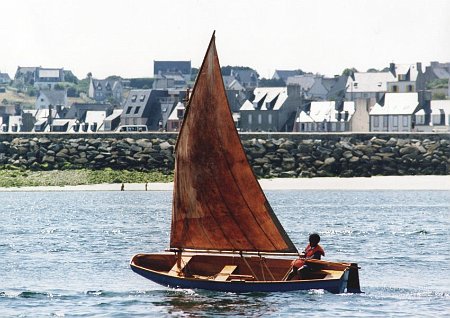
[67, 253]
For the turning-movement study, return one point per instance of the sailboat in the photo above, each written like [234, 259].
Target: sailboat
[224, 234]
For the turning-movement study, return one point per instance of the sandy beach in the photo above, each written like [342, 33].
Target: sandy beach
[373, 183]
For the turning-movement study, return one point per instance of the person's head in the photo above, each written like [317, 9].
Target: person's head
[314, 239]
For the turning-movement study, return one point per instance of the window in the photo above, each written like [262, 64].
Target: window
[376, 121]
[395, 121]
[420, 119]
[405, 121]
[394, 88]
[133, 98]
[249, 119]
[410, 88]
[269, 119]
[142, 98]
[129, 109]
[436, 119]
[259, 119]
[137, 109]
[174, 125]
[180, 113]
[385, 121]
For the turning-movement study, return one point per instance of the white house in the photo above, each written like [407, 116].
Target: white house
[176, 117]
[46, 98]
[394, 112]
[326, 116]
[368, 85]
[436, 120]
[272, 109]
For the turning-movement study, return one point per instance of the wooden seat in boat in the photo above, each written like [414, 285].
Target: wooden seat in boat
[225, 272]
[178, 270]
[330, 274]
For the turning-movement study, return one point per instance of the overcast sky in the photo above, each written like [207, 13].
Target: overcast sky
[124, 37]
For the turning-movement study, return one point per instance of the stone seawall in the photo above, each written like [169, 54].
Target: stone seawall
[271, 155]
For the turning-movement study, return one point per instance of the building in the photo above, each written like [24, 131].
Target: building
[313, 87]
[325, 116]
[437, 78]
[47, 98]
[285, 74]
[39, 77]
[4, 78]
[272, 109]
[165, 68]
[368, 85]
[47, 78]
[434, 119]
[105, 90]
[395, 111]
[408, 78]
[147, 107]
[247, 78]
[176, 118]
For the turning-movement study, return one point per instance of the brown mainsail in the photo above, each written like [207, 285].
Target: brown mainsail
[217, 202]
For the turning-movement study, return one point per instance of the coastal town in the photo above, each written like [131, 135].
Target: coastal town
[399, 98]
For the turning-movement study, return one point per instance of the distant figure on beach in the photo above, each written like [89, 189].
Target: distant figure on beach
[122, 187]
[146, 186]
[312, 251]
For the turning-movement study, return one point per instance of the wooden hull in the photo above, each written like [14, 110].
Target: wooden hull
[199, 271]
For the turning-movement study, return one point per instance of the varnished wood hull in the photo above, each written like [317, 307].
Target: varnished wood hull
[156, 267]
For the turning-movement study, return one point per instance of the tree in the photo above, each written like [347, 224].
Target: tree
[70, 77]
[141, 83]
[58, 87]
[226, 70]
[372, 70]
[349, 71]
[72, 92]
[264, 82]
[114, 78]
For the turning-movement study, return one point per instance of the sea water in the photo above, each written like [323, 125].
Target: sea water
[66, 254]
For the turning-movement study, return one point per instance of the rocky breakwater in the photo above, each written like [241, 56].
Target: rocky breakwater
[283, 155]
[45, 153]
[348, 156]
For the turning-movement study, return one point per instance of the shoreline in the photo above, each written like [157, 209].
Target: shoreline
[324, 183]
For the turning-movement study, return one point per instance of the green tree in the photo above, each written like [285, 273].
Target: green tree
[349, 71]
[264, 82]
[226, 70]
[70, 77]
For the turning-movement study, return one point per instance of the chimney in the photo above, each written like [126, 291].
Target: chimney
[419, 67]
[392, 69]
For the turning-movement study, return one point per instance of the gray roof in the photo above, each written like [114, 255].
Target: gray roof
[136, 102]
[5, 77]
[78, 110]
[304, 81]
[105, 84]
[339, 88]
[369, 82]
[245, 76]
[184, 67]
[441, 73]
[54, 97]
[284, 74]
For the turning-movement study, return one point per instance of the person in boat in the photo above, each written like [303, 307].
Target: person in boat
[312, 251]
